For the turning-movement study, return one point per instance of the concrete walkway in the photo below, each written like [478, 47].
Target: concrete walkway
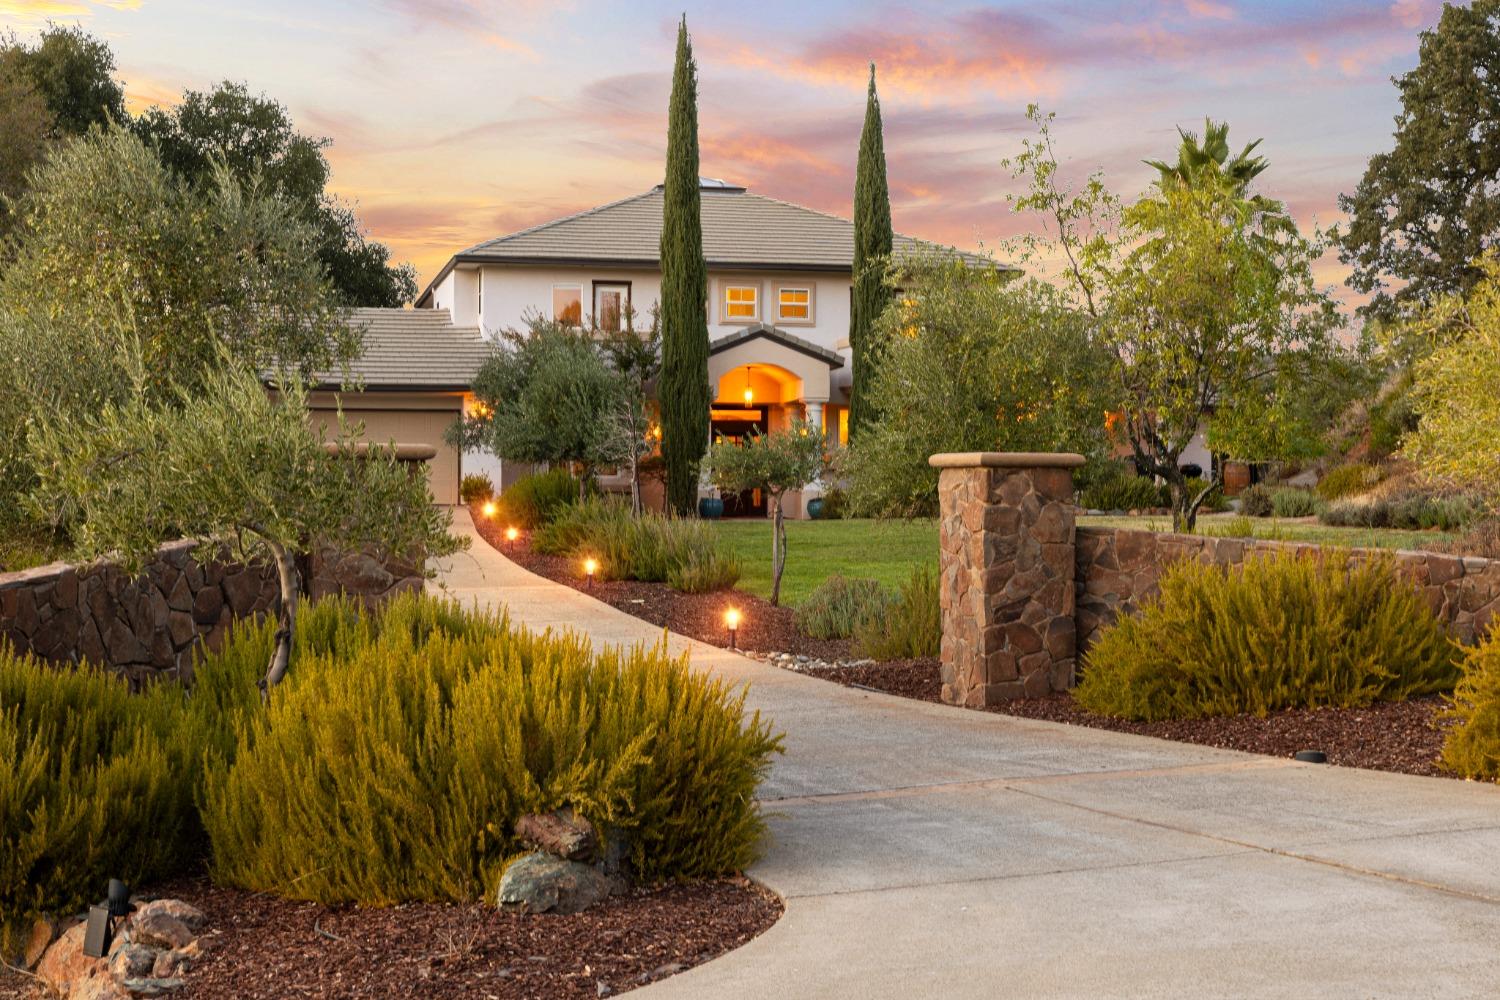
[931, 851]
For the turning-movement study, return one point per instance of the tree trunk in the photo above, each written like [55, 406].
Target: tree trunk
[635, 484]
[778, 548]
[281, 655]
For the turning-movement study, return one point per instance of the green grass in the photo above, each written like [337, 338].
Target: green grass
[817, 549]
[1287, 531]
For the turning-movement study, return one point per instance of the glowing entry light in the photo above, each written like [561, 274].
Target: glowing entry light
[732, 622]
[749, 396]
[590, 567]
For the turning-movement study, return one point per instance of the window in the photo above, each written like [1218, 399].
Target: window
[794, 304]
[611, 305]
[741, 303]
[567, 304]
[843, 425]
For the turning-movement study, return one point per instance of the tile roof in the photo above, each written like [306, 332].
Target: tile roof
[414, 349]
[740, 229]
[832, 358]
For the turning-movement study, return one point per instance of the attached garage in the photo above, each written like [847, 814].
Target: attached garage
[410, 385]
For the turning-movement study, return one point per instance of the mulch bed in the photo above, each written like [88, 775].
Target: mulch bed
[260, 946]
[763, 627]
[1401, 736]
[1393, 736]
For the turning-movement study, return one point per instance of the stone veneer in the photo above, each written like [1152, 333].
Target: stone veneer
[1006, 524]
[1118, 568]
[148, 626]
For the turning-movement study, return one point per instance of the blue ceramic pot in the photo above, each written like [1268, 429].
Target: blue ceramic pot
[815, 509]
[710, 508]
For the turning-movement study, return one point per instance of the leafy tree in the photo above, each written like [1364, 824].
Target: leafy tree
[872, 247]
[548, 395]
[972, 362]
[685, 393]
[636, 360]
[1425, 211]
[226, 462]
[253, 136]
[1203, 294]
[1458, 436]
[27, 124]
[772, 463]
[111, 248]
[73, 72]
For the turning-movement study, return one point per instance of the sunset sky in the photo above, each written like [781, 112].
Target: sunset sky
[455, 121]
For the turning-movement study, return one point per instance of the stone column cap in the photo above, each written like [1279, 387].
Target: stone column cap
[1006, 460]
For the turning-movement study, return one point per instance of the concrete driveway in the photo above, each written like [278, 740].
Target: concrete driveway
[931, 851]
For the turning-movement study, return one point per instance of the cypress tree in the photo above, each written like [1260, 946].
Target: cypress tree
[684, 389]
[872, 244]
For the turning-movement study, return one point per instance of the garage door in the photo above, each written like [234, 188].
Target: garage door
[408, 427]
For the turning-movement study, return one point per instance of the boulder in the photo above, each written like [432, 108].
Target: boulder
[65, 965]
[41, 936]
[99, 986]
[131, 962]
[171, 964]
[560, 833]
[190, 915]
[148, 986]
[540, 883]
[159, 929]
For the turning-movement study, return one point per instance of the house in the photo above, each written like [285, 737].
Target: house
[779, 290]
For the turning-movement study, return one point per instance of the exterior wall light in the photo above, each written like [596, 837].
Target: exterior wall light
[732, 622]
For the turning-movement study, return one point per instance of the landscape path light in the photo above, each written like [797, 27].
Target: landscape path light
[488, 509]
[590, 567]
[732, 622]
[510, 538]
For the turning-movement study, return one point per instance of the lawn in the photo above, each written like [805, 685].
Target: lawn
[817, 549]
[1298, 530]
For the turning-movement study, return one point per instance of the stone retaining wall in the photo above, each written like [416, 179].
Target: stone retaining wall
[1118, 568]
[148, 626]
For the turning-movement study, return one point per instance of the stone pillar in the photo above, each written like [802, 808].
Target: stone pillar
[1007, 584]
[815, 412]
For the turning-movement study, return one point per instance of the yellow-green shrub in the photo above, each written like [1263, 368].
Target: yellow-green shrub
[911, 626]
[838, 606]
[686, 554]
[1276, 632]
[398, 754]
[95, 783]
[1471, 747]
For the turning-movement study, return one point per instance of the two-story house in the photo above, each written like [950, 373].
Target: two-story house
[779, 288]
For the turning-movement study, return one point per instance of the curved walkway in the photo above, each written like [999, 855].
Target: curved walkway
[931, 851]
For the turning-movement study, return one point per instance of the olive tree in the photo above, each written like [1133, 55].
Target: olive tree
[237, 468]
[772, 463]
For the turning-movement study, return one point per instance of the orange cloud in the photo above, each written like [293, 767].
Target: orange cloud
[40, 11]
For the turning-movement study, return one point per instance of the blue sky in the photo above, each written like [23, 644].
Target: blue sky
[457, 120]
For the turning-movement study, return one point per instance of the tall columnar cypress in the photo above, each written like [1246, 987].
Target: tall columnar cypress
[872, 244]
[684, 388]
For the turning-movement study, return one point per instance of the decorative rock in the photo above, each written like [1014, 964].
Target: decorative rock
[560, 833]
[132, 962]
[41, 936]
[241, 591]
[150, 987]
[65, 965]
[159, 929]
[190, 915]
[170, 964]
[540, 883]
[98, 987]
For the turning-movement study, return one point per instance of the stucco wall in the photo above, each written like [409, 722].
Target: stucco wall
[1117, 569]
[149, 626]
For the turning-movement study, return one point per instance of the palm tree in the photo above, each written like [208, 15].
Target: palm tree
[1206, 165]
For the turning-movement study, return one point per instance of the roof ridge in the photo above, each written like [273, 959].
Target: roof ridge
[905, 236]
[557, 222]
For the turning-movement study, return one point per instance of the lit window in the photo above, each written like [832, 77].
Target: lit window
[794, 304]
[567, 304]
[741, 302]
[843, 426]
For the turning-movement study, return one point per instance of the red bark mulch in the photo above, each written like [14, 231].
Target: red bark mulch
[260, 947]
[1390, 736]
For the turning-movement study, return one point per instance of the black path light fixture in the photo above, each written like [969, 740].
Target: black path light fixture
[105, 918]
[732, 623]
[1311, 756]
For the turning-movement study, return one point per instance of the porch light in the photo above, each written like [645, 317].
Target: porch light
[732, 622]
[749, 396]
[590, 567]
[489, 508]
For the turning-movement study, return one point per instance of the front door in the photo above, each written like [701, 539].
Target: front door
[735, 424]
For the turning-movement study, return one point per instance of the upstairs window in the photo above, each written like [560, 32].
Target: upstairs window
[567, 304]
[793, 304]
[741, 303]
[611, 305]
